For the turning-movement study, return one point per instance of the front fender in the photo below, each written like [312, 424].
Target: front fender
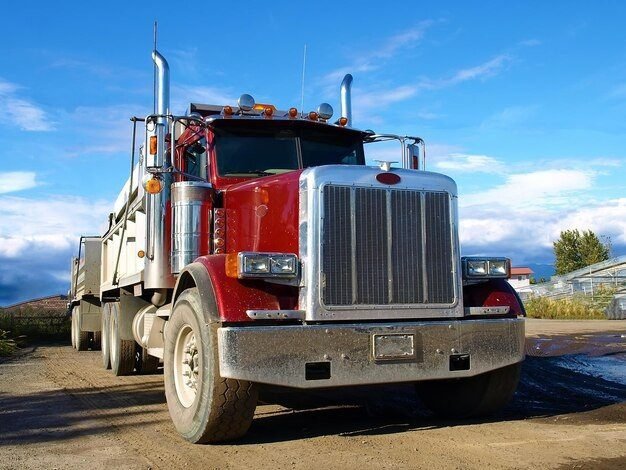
[229, 298]
[493, 293]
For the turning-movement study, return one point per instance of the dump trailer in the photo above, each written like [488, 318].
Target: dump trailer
[253, 247]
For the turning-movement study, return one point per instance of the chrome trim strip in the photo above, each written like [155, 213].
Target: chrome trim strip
[389, 247]
[487, 310]
[275, 314]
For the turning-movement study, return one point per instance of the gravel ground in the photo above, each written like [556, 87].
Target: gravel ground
[60, 409]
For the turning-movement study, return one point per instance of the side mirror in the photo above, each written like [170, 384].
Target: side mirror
[413, 151]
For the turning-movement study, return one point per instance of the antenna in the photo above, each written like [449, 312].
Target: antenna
[154, 71]
[303, 71]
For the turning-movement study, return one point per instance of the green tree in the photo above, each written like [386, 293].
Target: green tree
[574, 250]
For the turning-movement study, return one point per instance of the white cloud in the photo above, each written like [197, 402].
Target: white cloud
[200, 94]
[510, 116]
[541, 188]
[22, 112]
[464, 162]
[54, 223]
[375, 57]
[527, 235]
[12, 181]
[486, 69]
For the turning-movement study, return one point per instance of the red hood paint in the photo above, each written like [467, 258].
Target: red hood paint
[262, 214]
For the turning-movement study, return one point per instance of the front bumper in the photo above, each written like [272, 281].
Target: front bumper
[316, 356]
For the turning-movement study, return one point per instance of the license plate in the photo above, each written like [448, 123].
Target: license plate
[393, 347]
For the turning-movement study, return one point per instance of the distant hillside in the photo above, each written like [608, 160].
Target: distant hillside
[53, 304]
[542, 270]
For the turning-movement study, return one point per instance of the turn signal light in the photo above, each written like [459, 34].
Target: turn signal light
[343, 121]
[232, 264]
[153, 145]
[153, 185]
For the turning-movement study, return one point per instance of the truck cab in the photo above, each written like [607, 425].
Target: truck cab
[260, 249]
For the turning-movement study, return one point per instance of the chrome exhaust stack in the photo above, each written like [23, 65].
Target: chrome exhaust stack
[157, 272]
[346, 98]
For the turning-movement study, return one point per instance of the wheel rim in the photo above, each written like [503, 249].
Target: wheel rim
[186, 366]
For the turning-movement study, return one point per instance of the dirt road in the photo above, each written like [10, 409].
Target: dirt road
[60, 409]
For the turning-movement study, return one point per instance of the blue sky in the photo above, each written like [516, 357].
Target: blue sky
[522, 103]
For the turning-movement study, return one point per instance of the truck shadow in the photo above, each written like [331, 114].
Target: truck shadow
[549, 387]
[67, 413]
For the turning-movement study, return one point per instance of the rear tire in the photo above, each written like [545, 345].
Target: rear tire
[106, 334]
[470, 397]
[122, 351]
[73, 327]
[81, 338]
[203, 406]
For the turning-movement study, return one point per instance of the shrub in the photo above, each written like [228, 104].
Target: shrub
[577, 307]
[7, 345]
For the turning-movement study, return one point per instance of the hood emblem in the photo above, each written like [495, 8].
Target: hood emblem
[387, 178]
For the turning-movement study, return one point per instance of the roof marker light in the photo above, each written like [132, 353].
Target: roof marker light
[343, 121]
[227, 110]
[293, 112]
[313, 116]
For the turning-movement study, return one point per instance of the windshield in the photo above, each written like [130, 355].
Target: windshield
[249, 151]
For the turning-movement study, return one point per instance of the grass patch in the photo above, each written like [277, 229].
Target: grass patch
[7, 345]
[578, 307]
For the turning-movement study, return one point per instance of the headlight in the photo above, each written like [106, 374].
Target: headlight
[259, 265]
[486, 268]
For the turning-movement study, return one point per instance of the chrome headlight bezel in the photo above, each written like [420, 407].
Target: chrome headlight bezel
[492, 267]
[267, 265]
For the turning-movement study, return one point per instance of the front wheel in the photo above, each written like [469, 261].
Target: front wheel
[470, 397]
[203, 406]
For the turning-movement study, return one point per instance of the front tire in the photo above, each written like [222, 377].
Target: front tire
[122, 351]
[470, 397]
[204, 406]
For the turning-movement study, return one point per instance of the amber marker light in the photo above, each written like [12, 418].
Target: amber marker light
[153, 185]
[343, 121]
[141, 253]
[232, 263]
[227, 110]
[153, 145]
[269, 111]
[313, 116]
[293, 112]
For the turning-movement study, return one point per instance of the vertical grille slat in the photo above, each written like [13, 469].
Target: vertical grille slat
[385, 247]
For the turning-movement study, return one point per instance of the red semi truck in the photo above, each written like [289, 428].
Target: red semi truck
[252, 246]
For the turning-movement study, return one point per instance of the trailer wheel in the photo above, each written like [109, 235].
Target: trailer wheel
[81, 338]
[145, 363]
[122, 351]
[470, 397]
[73, 327]
[106, 334]
[204, 406]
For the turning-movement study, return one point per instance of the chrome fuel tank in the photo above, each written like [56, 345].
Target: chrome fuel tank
[191, 211]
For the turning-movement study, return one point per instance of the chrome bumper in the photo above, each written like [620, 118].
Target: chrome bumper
[316, 356]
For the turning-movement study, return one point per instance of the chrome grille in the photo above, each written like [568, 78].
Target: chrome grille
[385, 247]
